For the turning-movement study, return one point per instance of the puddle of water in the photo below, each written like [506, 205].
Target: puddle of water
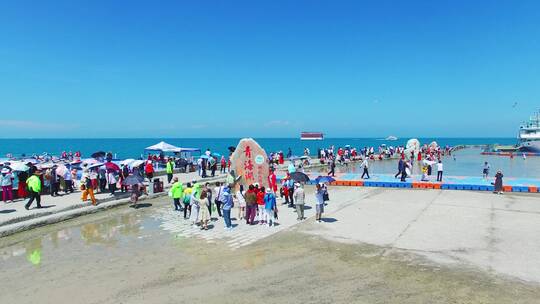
[101, 231]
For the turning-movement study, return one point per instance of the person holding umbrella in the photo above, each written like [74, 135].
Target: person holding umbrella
[87, 188]
[34, 188]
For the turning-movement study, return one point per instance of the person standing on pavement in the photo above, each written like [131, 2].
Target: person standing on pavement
[401, 165]
[55, 182]
[187, 200]
[223, 164]
[213, 166]
[169, 169]
[195, 203]
[498, 182]
[439, 171]
[240, 197]
[270, 207]
[177, 192]
[209, 195]
[332, 166]
[111, 180]
[102, 179]
[34, 188]
[299, 199]
[261, 212]
[319, 204]
[485, 172]
[124, 173]
[204, 214]
[218, 190]
[251, 205]
[290, 188]
[6, 181]
[68, 180]
[149, 170]
[272, 181]
[228, 204]
[365, 165]
[87, 188]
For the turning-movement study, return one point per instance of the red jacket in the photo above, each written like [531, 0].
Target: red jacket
[260, 198]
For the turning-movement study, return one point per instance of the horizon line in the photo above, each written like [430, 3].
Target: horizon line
[255, 137]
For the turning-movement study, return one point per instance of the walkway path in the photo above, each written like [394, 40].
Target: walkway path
[14, 217]
[243, 234]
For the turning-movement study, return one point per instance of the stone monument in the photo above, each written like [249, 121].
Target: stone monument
[250, 162]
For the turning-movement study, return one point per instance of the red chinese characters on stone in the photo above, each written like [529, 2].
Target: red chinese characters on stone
[248, 176]
[247, 152]
[244, 162]
[248, 165]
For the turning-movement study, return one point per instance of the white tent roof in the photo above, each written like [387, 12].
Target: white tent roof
[162, 146]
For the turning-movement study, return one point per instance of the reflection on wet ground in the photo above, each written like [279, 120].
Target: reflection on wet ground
[467, 162]
[96, 230]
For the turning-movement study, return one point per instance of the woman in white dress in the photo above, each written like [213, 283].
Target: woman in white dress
[241, 203]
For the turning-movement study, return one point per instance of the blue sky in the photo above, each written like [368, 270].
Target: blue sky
[268, 68]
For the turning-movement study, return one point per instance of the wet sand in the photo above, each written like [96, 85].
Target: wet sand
[124, 257]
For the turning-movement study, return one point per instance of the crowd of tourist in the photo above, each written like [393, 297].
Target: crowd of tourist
[103, 176]
[255, 204]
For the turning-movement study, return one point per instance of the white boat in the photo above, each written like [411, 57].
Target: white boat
[391, 138]
[529, 135]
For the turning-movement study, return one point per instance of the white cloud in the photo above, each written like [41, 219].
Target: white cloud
[29, 124]
[277, 123]
[198, 127]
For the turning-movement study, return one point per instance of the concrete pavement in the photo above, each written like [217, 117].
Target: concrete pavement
[495, 233]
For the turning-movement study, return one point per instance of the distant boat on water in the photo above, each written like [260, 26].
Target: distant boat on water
[311, 136]
[391, 138]
[529, 135]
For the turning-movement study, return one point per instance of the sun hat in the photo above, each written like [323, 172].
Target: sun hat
[5, 170]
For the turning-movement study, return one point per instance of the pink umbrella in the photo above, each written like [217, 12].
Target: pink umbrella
[112, 166]
[61, 170]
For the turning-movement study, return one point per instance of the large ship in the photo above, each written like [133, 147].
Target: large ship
[311, 136]
[529, 135]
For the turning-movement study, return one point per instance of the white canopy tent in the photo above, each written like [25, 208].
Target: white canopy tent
[162, 147]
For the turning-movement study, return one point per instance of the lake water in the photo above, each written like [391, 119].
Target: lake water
[134, 147]
[466, 162]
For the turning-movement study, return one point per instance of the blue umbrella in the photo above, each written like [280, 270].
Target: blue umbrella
[325, 179]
